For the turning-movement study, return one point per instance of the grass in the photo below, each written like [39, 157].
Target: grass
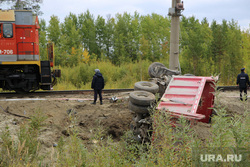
[80, 77]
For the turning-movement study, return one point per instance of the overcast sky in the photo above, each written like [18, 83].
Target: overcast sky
[239, 10]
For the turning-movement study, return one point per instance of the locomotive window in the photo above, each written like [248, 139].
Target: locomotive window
[7, 30]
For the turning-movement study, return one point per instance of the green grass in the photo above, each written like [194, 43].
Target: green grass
[80, 77]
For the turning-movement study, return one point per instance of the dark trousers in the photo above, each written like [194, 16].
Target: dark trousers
[245, 93]
[99, 92]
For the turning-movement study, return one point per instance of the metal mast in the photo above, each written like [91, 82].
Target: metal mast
[175, 13]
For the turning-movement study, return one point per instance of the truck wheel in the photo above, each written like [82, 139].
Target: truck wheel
[138, 109]
[147, 86]
[154, 70]
[212, 114]
[137, 117]
[142, 98]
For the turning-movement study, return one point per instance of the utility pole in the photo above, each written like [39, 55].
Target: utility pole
[175, 13]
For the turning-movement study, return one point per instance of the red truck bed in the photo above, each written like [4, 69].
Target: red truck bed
[192, 97]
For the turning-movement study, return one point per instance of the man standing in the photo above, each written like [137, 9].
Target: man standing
[97, 85]
[243, 81]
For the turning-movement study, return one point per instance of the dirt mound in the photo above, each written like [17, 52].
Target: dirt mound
[202, 130]
[64, 112]
[231, 101]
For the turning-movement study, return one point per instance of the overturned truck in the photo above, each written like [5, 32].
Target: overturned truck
[181, 95]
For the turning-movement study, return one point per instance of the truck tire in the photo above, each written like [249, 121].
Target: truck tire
[137, 117]
[138, 109]
[147, 86]
[154, 69]
[158, 70]
[142, 98]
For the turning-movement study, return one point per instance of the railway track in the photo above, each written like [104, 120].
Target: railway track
[55, 93]
[82, 92]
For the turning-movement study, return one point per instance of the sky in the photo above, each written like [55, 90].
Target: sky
[238, 10]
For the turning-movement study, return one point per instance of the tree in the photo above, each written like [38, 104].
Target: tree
[42, 39]
[144, 48]
[87, 31]
[100, 34]
[246, 48]
[109, 37]
[33, 4]
[147, 26]
[134, 36]
[70, 35]
[207, 68]
[54, 31]
[120, 42]
[234, 59]
[70, 42]
[218, 44]
[194, 46]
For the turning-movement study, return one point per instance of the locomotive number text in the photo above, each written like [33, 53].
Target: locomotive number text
[6, 52]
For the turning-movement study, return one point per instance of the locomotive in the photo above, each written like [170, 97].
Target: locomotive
[21, 69]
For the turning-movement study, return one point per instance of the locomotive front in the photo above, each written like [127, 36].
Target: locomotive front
[20, 67]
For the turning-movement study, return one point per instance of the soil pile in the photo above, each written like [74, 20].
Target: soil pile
[63, 112]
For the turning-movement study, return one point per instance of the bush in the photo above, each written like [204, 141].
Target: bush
[25, 150]
[80, 77]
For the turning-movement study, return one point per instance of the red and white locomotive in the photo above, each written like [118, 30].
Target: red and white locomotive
[20, 66]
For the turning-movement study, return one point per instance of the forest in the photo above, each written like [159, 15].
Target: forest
[123, 47]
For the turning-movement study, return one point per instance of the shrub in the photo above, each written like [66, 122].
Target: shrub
[80, 77]
[25, 150]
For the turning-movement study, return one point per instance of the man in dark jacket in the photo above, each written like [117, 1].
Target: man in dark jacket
[97, 85]
[243, 81]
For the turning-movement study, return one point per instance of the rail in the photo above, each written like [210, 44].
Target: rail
[52, 92]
